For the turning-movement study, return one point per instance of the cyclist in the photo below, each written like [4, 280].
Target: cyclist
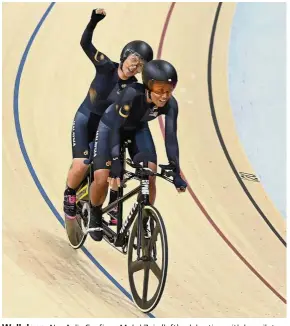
[111, 77]
[128, 118]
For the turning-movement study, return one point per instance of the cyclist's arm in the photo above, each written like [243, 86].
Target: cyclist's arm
[171, 142]
[122, 110]
[97, 57]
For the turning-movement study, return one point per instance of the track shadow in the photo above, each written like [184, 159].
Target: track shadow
[49, 258]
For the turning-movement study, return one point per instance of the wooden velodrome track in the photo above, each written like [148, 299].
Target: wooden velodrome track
[227, 241]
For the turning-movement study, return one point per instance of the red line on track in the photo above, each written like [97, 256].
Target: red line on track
[194, 197]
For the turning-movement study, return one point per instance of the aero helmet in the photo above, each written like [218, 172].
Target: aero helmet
[142, 48]
[159, 70]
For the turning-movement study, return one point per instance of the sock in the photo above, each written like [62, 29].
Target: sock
[96, 211]
[69, 191]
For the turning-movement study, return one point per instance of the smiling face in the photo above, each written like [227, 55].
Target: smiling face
[161, 93]
[132, 65]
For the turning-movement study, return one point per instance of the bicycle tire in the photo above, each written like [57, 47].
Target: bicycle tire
[148, 305]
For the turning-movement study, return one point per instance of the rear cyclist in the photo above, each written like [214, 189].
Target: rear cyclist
[128, 118]
[111, 77]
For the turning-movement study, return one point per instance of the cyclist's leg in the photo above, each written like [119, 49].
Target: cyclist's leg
[113, 213]
[83, 132]
[80, 151]
[99, 187]
[142, 141]
[92, 133]
[102, 164]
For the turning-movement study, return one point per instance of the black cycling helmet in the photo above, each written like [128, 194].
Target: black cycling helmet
[141, 48]
[159, 70]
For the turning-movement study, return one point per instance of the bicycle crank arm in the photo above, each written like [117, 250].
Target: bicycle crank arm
[111, 235]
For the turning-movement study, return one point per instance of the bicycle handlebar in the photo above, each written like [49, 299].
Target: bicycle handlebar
[166, 170]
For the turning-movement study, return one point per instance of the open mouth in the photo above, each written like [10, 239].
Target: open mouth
[131, 69]
[162, 102]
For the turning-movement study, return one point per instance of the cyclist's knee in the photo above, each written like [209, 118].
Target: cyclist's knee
[152, 166]
[101, 178]
[78, 165]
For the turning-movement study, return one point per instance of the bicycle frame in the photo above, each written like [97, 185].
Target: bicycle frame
[119, 236]
[143, 199]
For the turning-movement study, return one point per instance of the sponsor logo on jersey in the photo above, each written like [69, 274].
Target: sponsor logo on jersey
[74, 133]
[124, 111]
[96, 144]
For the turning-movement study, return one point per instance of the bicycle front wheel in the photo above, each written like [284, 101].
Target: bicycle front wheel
[153, 258]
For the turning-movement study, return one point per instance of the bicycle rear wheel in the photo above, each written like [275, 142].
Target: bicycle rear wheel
[76, 228]
[153, 258]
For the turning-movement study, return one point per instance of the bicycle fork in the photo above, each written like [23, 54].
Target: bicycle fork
[143, 201]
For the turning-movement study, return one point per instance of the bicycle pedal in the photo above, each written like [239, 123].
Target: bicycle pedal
[93, 230]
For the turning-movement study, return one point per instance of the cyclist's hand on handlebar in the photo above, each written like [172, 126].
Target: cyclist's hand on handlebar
[179, 183]
[115, 172]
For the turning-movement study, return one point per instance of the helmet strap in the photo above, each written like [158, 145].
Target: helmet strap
[121, 64]
[149, 94]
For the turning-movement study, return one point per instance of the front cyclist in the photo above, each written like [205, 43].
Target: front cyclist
[128, 118]
[111, 77]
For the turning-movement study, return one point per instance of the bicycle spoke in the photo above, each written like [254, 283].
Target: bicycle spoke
[148, 296]
[156, 270]
[145, 282]
[136, 266]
